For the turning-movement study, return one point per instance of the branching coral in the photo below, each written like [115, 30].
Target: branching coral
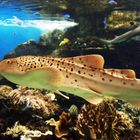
[63, 125]
[103, 121]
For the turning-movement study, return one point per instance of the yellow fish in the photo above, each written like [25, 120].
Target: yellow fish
[83, 76]
[64, 42]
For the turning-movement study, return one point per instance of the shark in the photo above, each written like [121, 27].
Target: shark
[84, 76]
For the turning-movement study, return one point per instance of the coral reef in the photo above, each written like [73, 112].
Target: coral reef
[28, 100]
[123, 19]
[23, 112]
[63, 126]
[33, 114]
[25, 133]
[106, 121]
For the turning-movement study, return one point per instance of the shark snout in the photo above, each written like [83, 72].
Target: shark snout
[5, 65]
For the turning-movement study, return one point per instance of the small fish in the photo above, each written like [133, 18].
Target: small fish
[112, 2]
[83, 76]
[73, 110]
[64, 42]
[14, 33]
[66, 15]
[63, 6]
[37, 13]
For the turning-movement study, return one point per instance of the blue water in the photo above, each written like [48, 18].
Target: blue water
[12, 36]
[18, 26]
[12, 32]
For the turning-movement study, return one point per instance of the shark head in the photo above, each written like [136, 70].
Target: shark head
[19, 65]
[9, 69]
[8, 66]
[30, 71]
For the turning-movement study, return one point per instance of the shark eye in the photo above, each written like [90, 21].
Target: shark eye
[8, 62]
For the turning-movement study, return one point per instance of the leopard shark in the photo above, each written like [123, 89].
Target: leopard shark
[84, 76]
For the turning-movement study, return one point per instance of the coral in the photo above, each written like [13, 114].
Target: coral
[28, 100]
[4, 91]
[30, 114]
[23, 113]
[105, 122]
[16, 130]
[63, 125]
[55, 36]
[122, 19]
[24, 132]
[73, 110]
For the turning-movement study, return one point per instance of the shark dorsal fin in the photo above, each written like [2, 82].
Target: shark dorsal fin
[128, 73]
[92, 61]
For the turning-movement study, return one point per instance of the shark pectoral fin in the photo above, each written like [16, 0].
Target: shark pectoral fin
[87, 94]
[128, 73]
[61, 94]
[48, 78]
[93, 96]
[92, 61]
[95, 100]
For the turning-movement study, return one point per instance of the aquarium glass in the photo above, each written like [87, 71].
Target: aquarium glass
[70, 69]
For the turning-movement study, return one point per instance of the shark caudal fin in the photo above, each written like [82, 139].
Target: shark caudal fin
[92, 61]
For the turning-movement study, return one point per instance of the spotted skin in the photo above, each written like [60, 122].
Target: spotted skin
[82, 76]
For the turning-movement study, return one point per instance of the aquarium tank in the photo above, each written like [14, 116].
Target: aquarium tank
[69, 70]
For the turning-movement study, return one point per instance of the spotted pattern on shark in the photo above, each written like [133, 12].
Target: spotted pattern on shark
[27, 63]
[82, 73]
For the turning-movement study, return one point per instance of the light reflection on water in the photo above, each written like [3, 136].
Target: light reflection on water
[19, 24]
